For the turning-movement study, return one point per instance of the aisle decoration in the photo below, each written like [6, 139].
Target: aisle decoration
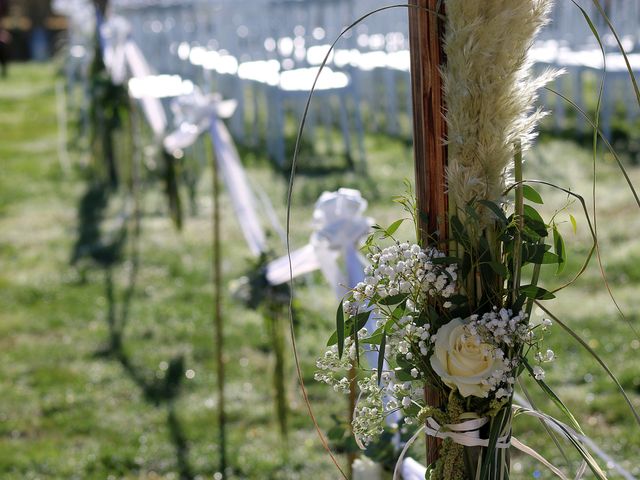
[454, 314]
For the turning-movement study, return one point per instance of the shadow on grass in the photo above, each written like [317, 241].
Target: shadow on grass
[107, 254]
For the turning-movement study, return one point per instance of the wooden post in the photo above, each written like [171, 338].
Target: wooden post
[429, 131]
[217, 314]
[353, 400]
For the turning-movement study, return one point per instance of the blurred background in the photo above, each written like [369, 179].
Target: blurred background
[108, 343]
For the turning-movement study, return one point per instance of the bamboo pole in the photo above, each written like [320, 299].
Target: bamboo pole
[429, 131]
[217, 315]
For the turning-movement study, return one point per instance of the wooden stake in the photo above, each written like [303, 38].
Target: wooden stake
[429, 132]
[429, 127]
[353, 397]
[217, 316]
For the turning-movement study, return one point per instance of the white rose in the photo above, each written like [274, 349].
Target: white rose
[462, 361]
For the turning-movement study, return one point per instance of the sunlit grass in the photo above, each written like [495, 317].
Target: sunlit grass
[68, 410]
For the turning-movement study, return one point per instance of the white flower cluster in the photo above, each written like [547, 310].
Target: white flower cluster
[502, 380]
[369, 415]
[377, 402]
[406, 268]
[501, 327]
[401, 269]
[331, 368]
[408, 337]
[538, 372]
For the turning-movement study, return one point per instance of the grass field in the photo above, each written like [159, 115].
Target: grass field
[73, 407]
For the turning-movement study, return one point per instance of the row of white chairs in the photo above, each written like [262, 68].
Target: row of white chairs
[273, 62]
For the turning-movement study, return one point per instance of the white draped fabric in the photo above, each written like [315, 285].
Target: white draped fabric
[237, 185]
[194, 113]
[151, 106]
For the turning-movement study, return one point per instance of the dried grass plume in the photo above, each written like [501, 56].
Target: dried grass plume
[489, 91]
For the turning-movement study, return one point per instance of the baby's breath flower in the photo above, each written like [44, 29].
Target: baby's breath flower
[538, 373]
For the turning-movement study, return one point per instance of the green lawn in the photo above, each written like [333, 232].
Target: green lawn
[73, 407]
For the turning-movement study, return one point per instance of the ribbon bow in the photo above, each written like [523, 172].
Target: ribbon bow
[339, 224]
[465, 433]
[192, 115]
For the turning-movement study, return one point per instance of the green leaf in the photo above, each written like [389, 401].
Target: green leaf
[375, 338]
[360, 319]
[399, 311]
[519, 303]
[383, 344]
[532, 213]
[560, 249]
[497, 211]
[495, 429]
[531, 194]
[549, 258]
[538, 253]
[356, 340]
[333, 339]
[574, 224]
[445, 260]
[537, 293]
[499, 268]
[393, 299]
[340, 329]
[534, 221]
[403, 375]
[393, 227]
[471, 212]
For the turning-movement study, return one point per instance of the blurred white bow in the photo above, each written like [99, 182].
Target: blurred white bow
[339, 226]
[192, 115]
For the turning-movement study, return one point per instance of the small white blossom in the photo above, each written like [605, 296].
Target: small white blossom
[538, 373]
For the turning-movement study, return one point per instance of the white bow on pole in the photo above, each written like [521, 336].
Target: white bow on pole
[339, 225]
[192, 114]
[115, 33]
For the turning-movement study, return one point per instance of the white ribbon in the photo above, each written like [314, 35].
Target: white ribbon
[122, 54]
[151, 106]
[465, 433]
[192, 115]
[115, 33]
[412, 470]
[235, 179]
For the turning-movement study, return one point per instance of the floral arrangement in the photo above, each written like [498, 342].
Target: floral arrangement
[431, 334]
[454, 310]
